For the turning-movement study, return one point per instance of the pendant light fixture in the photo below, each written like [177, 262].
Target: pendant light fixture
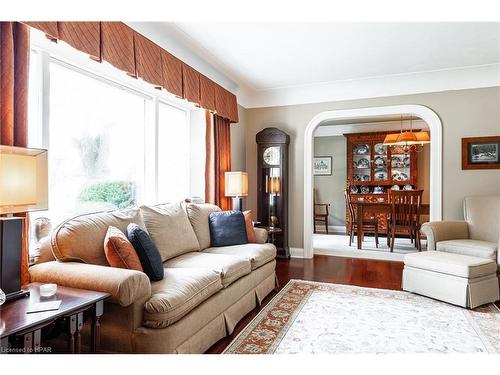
[408, 140]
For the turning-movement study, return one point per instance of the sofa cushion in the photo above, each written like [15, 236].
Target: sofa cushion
[475, 248]
[180, 291]
[146, 251]
[229, 267]
[249, 226]
[119, 251]
[170, 229]
[81, 238]
[227, 228]
[198, 216]
[451, 264]
[257, 254]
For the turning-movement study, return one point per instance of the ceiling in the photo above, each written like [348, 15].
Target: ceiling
[269, 57]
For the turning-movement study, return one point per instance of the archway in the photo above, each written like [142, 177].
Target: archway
[436, 148]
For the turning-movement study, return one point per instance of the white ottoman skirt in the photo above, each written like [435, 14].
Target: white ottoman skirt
[457, 279]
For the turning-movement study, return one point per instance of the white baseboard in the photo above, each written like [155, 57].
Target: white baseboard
[296, 252]
[332, 228]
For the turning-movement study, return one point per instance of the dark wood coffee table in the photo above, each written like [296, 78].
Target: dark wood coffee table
[15, 322]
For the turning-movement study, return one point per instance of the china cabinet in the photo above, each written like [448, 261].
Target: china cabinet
[373, 169]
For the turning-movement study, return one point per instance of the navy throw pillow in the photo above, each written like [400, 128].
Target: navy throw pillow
[227, 228]
[146, 251]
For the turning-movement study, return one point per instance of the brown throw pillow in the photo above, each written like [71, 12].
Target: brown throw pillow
[119, 251]
[249, 226]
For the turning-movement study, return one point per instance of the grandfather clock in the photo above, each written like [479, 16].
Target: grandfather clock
[272, 188]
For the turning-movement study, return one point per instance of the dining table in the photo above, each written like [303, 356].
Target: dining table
[376, 207]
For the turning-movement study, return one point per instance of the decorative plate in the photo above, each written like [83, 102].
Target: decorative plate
[356, 177]
[353, 189]
[363, 163]
[380, 149]
[379, 161]
[395, 187]
[361, 149]
[397, 161]
[378, 190]
[380, 175]
[406, 161]
[365, 177]
[365, 189]
[399, 176]
[407, 187]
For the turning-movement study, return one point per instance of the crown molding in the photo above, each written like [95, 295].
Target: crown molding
[373, 87]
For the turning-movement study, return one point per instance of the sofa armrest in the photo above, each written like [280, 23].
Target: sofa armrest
[260, 235]
[436, 231]
[125, 286]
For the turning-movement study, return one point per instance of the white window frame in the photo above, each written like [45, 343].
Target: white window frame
[79, 62]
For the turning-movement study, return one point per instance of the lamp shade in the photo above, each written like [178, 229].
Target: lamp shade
[236, 184]
[23, 179]
[390, 139]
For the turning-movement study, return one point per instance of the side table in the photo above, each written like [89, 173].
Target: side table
[15, 322]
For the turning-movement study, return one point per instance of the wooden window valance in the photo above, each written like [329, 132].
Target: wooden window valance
[127, 50]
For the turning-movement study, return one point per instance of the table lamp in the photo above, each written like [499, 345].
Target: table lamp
[23, 188]
[236, 186]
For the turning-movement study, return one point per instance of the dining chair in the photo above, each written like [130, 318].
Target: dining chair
[404, 215]
[321, 214]
[370, 225]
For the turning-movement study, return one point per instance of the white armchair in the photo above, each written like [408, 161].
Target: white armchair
[478, 235]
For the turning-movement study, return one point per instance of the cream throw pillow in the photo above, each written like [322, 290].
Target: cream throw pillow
[198, 216]
[170, 229]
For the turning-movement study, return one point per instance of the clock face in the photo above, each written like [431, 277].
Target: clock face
[271, 155]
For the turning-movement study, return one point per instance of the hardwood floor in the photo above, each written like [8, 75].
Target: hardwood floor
[354, 271]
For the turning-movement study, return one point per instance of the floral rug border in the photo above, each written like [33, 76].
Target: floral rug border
[265, 332]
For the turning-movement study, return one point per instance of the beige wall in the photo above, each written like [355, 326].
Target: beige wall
[464, 113]
[330, 189]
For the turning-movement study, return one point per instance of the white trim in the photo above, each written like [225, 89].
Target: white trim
[460, 78]
[338, 130]
[426, 114]
[296, 252]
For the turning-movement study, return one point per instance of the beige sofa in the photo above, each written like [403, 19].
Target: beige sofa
[204, 293]
[478, 235]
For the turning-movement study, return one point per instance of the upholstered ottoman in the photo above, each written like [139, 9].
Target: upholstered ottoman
[458, 279]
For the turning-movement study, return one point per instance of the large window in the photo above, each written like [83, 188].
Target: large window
[112, 144]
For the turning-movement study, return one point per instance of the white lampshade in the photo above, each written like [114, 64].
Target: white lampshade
[23, 179]
[236, 184]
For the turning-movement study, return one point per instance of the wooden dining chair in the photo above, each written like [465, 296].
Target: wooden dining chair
[370, 225]
[405, 215]
[321, 214]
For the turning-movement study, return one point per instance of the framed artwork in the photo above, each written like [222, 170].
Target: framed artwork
[322, 166]
[481, 153]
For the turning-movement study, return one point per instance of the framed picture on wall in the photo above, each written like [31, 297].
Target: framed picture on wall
[481, 153]
[322, 166]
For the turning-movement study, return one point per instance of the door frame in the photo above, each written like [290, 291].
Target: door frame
[436, 154]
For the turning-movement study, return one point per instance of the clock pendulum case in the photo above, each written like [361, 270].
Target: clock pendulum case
[272, 186]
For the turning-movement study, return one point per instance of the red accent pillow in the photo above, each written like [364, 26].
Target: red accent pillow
[119, 251]
[249, 226]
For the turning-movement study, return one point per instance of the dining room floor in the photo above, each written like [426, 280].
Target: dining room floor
[338, 245]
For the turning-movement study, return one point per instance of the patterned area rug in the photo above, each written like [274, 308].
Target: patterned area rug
[311, 317]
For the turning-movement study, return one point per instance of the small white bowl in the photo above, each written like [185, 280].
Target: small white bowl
[48, 290]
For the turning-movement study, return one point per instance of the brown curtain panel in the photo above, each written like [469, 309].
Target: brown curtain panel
[14, 64]
[218, 159]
